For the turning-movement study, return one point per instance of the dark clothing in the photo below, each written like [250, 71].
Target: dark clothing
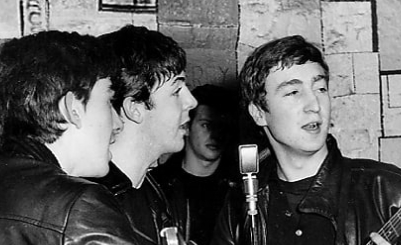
[288, 225]
[347, 200]
[146, 207]
[195, 201]
[41, 204]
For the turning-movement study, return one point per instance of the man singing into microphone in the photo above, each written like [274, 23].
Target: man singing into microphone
[308, 192]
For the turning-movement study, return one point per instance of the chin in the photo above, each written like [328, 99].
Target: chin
[314, 148]
[178, 146]
[103, 171]
[104, 168]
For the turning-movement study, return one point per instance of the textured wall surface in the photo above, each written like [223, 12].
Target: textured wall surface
[208, 31]
[361, 40]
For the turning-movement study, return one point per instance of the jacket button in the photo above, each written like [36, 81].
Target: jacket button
[298, 232]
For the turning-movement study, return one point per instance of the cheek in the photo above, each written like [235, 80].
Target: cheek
[198, 137]
[279, 116]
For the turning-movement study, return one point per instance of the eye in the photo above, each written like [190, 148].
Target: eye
[177, 91]
[321, 86]
[205, 125]
[292, 93]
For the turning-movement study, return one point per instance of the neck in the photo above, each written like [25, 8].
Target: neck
[60, 151]
[294, 166]
[132, 155]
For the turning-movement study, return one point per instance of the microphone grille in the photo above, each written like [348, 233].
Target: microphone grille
[248, 158]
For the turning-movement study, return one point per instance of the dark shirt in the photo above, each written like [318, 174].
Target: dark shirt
[204, 200]
[195, 201]
[287, 226]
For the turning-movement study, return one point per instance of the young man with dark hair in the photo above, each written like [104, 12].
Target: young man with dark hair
[57, 124]
[196, 179]
[153, 102]
[308, 192]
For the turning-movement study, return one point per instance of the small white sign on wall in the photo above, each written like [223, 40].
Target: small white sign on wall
[35, 16]
[128, 5]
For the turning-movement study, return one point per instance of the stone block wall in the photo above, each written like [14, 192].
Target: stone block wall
[361, 40]
[207, 30]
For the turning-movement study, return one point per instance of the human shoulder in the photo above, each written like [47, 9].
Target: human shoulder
[96, 211]
[373, 166]
[374, 171]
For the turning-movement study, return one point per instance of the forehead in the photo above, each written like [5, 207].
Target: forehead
[203, 111]
[206, 112]
[162, 92]
[171, 81]
[306, 73]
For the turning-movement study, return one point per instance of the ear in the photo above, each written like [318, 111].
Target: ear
[258, 115]
[133, 111]
[71, 108]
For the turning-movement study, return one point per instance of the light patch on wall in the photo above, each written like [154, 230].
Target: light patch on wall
[128, 5]
[394, 88]
[35, 16]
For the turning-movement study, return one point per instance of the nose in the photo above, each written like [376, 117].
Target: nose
[218, 132]
[118, 124]
[189, 100]
[312, 103]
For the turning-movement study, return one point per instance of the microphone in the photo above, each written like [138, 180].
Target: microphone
[249, 166]
[170, 235]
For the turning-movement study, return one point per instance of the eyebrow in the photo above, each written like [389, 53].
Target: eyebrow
[297, 81]
[178, 79]
[288, 83]
[318, 78]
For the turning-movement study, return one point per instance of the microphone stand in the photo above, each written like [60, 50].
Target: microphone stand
[251, 186]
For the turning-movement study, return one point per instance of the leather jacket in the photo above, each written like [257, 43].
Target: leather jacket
[186, 200]
[357, 195]
[146, 207]
[41, 204]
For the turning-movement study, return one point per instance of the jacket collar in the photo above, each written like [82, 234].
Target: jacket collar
[324, 195]
[115, 180]
[28, 148]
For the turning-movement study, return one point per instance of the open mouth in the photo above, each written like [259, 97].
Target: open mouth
[312, 126]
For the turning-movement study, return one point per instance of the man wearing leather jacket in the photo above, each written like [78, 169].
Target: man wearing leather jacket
[153, 102]
[308, 192]
[56, 126]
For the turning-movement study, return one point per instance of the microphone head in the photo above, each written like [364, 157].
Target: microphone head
[248, 159]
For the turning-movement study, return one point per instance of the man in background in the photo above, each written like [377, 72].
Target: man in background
[197, 179]
[56, 125]
[153, 103]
